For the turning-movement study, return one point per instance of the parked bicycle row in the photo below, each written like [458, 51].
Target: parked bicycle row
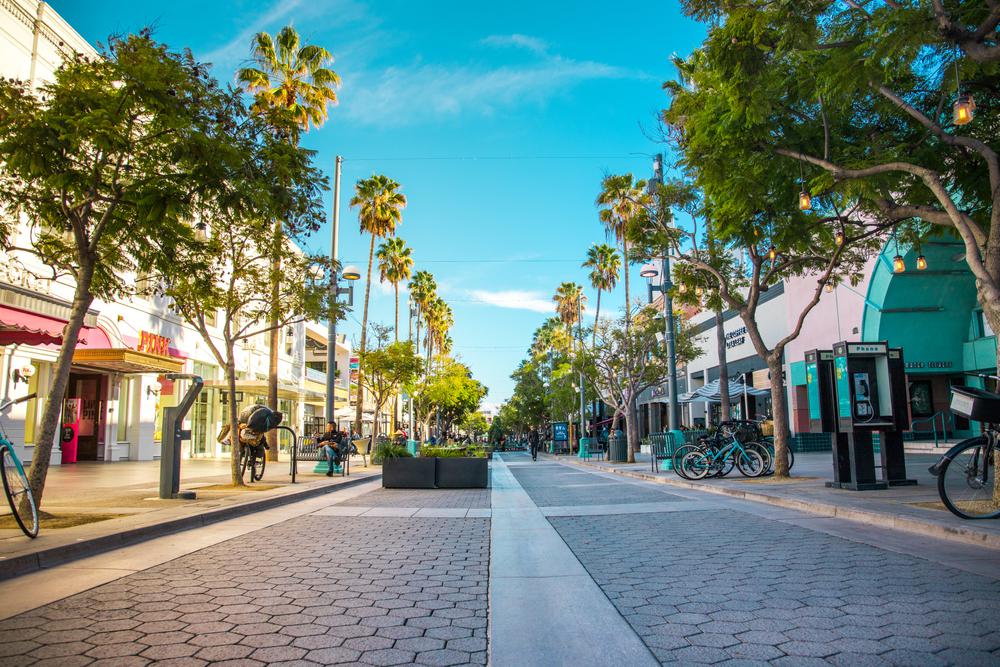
[736, 444]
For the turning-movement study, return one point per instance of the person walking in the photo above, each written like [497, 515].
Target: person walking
[533, 444]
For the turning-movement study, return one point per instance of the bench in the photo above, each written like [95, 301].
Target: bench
[662, 448]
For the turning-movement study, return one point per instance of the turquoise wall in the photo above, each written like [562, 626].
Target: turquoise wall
[927, 313]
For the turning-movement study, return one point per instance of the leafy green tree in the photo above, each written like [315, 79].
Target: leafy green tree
[380, 210]
[385, 370]
[475, 425]
[605, 266]
[234, 288]
[105, 165]
[292, 88]
[449, 392]
[395, 262]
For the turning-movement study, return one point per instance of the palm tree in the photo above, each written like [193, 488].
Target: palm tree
[293, 87]
[380, 205]
[569, 300]
[439, 320]
[621, 202]
[423, 290]
[605, 265]
[290, 78]
[395, 263]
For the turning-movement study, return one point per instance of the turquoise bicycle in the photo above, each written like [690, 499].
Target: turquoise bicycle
[15, 482]
[699, 463]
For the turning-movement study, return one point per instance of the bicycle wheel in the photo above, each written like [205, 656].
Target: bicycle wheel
[766, 455]
[967, 480]
[749, 463]
[724, 466]
[257, 467]
[696, 465]
[678, 459]
[245, 457]
[18, 492]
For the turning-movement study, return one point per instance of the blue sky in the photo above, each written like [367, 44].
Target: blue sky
[499, 119]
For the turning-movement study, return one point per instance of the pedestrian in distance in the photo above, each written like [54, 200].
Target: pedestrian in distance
[533, 444]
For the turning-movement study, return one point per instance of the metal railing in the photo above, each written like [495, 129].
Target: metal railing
[944, 415]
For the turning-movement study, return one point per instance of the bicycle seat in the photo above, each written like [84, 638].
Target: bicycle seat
[976, 404]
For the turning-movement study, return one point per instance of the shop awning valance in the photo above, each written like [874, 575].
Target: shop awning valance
[26, 328]
[122, 360]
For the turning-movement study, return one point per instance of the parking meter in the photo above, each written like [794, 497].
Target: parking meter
[173, 436]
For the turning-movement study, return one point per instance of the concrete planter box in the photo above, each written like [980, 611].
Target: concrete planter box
[462, 473]
[408, 473]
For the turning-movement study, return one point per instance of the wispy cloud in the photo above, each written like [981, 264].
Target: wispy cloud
[534, 44]
[515, 300]
[423, 92]
[234, 52]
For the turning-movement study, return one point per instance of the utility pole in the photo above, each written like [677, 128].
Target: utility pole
[331, 326]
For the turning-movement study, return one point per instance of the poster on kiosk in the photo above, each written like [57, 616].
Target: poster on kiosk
[69, 435]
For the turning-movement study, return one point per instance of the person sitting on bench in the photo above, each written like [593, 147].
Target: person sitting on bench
[330, 444]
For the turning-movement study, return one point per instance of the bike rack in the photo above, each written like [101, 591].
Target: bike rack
[295, 450]
[173, 436]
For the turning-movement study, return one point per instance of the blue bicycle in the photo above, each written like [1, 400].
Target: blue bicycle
[15, 482]
[698, 463]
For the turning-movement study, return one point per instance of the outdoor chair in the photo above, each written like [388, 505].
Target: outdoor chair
[363, 448]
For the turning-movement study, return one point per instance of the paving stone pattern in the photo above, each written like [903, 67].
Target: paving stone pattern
[314, 590]
[737, 589]
[551, 485]
[437, 498]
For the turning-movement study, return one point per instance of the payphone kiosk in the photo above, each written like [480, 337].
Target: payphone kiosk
[819, 386]
[868, 397]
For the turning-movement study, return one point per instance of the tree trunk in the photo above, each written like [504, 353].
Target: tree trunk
[396, 402]
[779, 414]
[234, 419]
[396, 329]
[724, 399]
[597, 317]
[272, 368]
[628, 305]
[631, 429]
[364, 336]
[82, 298]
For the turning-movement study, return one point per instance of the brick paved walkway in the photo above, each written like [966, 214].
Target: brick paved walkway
[556, 485]
[439, 498]
[320, 590]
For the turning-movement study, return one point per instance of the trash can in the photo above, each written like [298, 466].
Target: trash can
[617, 448]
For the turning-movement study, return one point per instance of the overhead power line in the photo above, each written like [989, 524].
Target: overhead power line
[628, 156]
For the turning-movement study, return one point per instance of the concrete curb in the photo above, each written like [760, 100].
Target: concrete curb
[58, 555]
[966, 535]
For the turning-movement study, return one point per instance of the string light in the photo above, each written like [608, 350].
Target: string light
[828, 287]
[772, 253]
[682, 288]
[964, 108]
[805, 199]
[699, 292]
[839, 237]
[898, 266]
[921, 263]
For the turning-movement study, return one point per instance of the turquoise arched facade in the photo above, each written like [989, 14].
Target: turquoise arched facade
[933, 315]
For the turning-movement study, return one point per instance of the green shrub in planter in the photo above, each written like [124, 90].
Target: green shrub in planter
[389, 450]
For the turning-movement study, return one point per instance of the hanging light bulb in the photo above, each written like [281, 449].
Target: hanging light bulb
[839, 237]
[897, 264]
[772, 253]
[828, 287]
[699, 292]
[682, 288]
[805, 201]
[921, 263]
[963, 110]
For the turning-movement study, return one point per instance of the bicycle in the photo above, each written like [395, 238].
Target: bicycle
[254, 457]
[15, 482]
[964, 471]
[720, 459]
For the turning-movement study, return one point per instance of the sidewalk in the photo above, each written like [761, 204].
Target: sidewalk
[123, 497]
[915, 509]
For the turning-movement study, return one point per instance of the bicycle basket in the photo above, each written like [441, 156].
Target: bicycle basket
[976, 404]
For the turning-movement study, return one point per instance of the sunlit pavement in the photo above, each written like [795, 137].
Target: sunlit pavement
[554, 565]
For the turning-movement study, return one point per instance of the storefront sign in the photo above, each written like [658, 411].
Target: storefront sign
[914, 365]
[736, 338]
[12, 274]
[560, 431]
[151, 343]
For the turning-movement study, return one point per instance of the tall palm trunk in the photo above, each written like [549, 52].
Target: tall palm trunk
[396, 401]
[396, 287]
[272, 366]
[597, 317]
[628, 305]
[364, 336]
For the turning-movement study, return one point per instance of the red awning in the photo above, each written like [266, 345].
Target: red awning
[22, 327]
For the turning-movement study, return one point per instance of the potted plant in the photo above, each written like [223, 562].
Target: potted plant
[400, 470]
[459, 467]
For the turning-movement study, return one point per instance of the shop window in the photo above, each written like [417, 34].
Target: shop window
[921, 399]
[125, 407]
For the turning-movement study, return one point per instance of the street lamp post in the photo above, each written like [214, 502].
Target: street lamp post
[581, 442]
[350, 274]
[665, 286]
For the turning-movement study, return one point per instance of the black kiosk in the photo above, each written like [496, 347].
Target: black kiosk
[855, 391]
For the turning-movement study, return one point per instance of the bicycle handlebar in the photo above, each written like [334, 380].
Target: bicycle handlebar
[15, 401]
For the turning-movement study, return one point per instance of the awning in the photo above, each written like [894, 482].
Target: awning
[258, 388]
[122, 360]
[26, 328]
[710, 393]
